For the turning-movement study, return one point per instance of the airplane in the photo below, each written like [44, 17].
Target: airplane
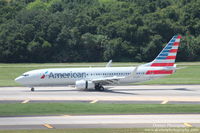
[96, 77]
[109, 64]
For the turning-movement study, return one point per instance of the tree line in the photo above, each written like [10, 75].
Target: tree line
[96, 30]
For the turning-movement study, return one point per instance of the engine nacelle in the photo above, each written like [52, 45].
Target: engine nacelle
[84, 84]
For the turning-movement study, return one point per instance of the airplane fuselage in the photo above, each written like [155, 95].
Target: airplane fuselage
[68, 76]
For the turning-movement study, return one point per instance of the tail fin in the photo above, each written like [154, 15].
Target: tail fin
[168, 55]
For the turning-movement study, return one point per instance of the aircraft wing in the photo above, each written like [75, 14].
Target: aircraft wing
[107, 80]
[114, 79]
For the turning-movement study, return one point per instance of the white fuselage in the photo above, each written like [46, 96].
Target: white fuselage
[69, 76]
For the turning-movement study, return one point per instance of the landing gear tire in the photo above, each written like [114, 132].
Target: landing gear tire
[32, 89]
[99, 87]
[102, 88]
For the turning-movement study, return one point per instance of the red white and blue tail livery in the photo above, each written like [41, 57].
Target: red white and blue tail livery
[95, 78]
[167, 56]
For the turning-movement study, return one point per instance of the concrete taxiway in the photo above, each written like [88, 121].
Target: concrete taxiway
[158, 94]
[163, 94]
[101, 121]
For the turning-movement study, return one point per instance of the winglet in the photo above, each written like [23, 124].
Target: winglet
[133, 73]
[109, 64]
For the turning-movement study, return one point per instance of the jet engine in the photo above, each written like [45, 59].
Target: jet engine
[84, 84]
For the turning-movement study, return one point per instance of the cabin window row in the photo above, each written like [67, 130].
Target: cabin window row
[108, 74]
[141, 73]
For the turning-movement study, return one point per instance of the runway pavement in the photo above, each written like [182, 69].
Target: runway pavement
[158, 94]
[163, 94]
[101, 121]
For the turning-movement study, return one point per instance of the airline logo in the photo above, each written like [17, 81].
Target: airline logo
[63, 75]
[67, 75]
[44, 75]
[168, 55]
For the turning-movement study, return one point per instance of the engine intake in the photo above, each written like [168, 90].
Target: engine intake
[84, 84]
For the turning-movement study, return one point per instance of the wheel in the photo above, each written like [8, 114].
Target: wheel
[102, 88]
[32, 89]
[99, 87]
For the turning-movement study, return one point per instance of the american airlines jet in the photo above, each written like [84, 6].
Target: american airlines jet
[96, 78]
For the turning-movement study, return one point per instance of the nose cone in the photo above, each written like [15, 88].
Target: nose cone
[19, 80]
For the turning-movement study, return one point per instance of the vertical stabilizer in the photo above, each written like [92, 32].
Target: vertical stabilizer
[167, 56]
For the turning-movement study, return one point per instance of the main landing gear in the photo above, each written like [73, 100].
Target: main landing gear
[99, 87]
[32, 89]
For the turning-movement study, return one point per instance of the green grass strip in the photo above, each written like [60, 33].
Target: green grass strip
[97, 108]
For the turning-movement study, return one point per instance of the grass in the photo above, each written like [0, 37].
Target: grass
[188, 75]
[87, 108]
[111, 130]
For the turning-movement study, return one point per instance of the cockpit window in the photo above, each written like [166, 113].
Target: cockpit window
[25, 75]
